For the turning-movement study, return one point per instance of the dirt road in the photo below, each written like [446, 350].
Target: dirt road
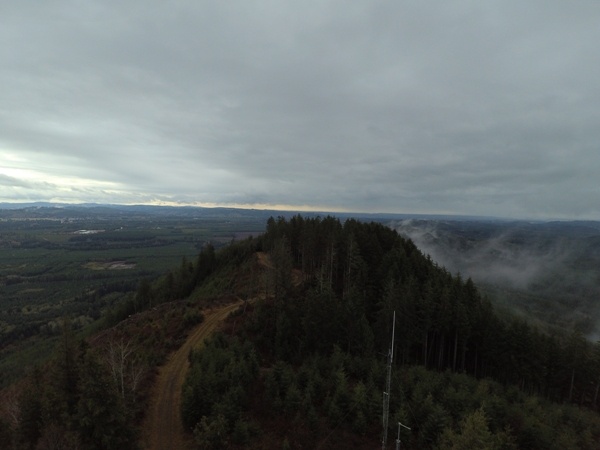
[163, 428]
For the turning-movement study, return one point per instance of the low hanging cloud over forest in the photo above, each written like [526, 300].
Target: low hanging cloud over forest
[543, 270]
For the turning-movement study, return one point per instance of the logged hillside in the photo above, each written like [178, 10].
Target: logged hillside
[304, 366]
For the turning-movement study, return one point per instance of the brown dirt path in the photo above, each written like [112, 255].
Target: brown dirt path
[163, 429]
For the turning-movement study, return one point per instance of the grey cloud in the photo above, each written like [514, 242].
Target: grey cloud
[479, 108]
[5, 180]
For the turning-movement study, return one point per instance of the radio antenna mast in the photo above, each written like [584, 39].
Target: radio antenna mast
[398, 440]
[386, 394]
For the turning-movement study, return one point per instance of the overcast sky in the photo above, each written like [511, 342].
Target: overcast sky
[464, 107]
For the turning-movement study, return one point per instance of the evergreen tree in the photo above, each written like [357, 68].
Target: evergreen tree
[64, 374]
[6, 434]
[101, 416]
[475, 434]
[31, 411]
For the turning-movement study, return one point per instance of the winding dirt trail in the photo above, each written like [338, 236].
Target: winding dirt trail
[163, 429]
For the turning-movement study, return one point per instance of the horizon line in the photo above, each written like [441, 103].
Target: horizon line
[292, 208]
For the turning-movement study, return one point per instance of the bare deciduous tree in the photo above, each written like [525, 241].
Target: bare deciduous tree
[11, 406]
[126, 368]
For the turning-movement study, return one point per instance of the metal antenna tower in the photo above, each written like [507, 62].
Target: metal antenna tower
[398, 440]
[386, 394]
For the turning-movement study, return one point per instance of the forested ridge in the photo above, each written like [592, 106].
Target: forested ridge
[462, 377]
[359, 273]
[303, 365]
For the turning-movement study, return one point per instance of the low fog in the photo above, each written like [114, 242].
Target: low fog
[544, 271]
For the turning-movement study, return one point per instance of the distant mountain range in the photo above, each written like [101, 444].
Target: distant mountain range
[191, 211]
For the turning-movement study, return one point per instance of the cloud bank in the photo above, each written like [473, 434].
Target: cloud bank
[438, 107]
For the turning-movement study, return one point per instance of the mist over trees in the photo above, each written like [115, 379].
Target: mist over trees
[546, 272]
